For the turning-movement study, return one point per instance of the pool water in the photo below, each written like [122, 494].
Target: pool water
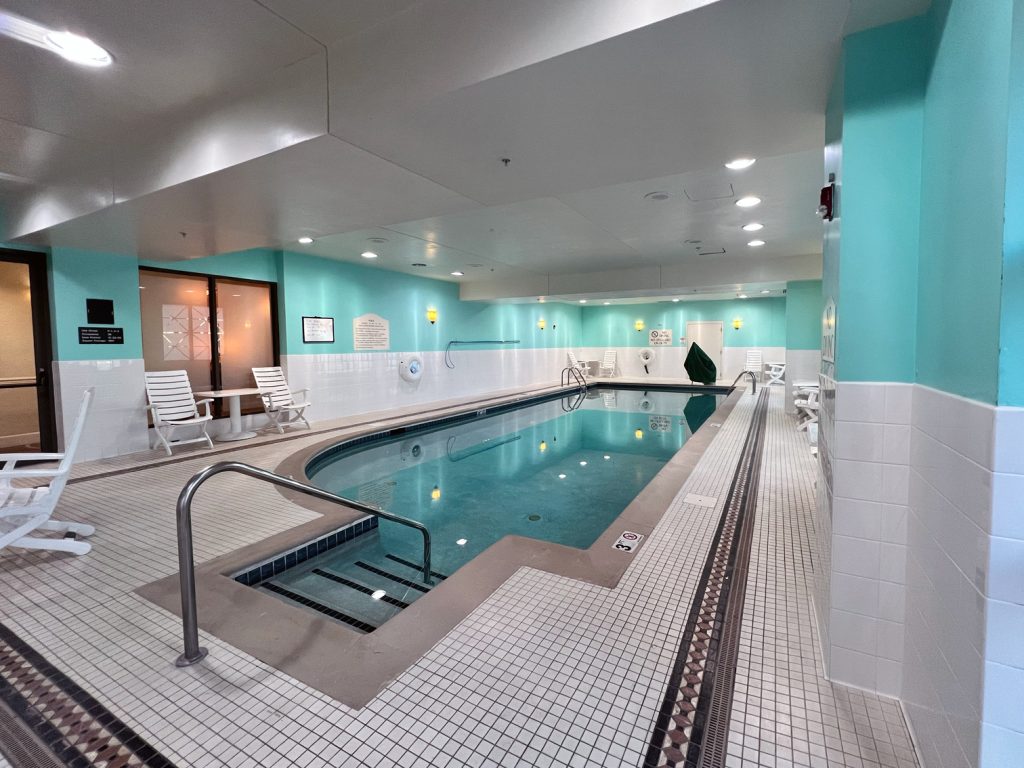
[560, 470]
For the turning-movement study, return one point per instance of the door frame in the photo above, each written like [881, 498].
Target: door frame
[720, 362]
[42, 330]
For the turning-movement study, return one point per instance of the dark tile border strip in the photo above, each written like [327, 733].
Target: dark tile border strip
[326, 610]
[63, 715]
[413, 565]
[394, 577]
[691, 729]
[358, 587]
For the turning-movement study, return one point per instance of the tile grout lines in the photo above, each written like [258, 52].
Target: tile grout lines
[694, 714]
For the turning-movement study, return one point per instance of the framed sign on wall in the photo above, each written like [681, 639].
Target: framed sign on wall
[317, 330]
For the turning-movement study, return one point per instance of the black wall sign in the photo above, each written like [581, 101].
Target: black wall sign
[99, 311]
[100, 335]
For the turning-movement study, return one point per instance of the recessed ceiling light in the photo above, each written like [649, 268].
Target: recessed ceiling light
[583, 301]
[418, 264]
[583, 463]
[78, 49]
[461, 542]
[378, 594]
[756, 243]
[457, 273]
[561, 477]
[607, 303]
[656, 196]
[743, 295]
[674, 301]
[740, 163]
[753, 227]
[305, 240]
[607, 457]
[368, 255]
[765, 291]
[748, 202]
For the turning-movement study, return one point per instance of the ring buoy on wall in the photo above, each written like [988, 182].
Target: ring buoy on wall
[411, 368]
[646, 357]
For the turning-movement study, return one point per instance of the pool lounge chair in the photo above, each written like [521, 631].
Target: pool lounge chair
[173, 405]
[608, 363]
[27, 509]
[575, 363]
[775, 373]
[754, 362]
[281, 404]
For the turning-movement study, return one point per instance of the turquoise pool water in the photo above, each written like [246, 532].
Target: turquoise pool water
[540, 471]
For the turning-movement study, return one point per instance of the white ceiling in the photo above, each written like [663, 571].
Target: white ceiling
[248, 124]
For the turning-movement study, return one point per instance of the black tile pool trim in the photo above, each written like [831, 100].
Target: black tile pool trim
[388, 575]
[326, 610]
[319, 459]
[70, 721]
[358, 587]
[255, 575]
[414, 566]
[692, 726]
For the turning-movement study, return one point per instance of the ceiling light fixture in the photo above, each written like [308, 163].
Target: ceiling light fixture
[753, 227]
[749, 201]
[756, 243]
[740, 163]
[656, 196]
[368, 255]
[743, 296]
[607, 303]
[583, 301]
[305, 240]
[458, 273]
[78, 49]
[675, 301]
[765, 291]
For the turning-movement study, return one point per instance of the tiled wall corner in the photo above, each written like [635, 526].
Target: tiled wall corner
[801, 365]
[870, 454]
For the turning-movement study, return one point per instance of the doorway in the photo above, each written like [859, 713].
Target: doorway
[27, 423]
[708, 335]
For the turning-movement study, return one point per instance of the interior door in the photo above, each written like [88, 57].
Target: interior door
[707, 334]
[26, 398]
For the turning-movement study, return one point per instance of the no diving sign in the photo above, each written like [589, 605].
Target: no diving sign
[628, 541]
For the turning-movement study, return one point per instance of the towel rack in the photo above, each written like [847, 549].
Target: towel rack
[448, 350]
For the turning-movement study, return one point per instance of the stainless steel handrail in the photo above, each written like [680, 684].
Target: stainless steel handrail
[186, 562]
[570, 371]
[753, 378]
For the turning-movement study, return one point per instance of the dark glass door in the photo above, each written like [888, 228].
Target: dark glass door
[26, 396]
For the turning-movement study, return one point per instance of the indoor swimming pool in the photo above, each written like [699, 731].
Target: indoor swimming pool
[555, 469]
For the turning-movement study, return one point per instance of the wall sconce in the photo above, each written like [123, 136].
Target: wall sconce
[432, 315]
[543, 446]
[639, 434]
[737, 323]
[542, 324]
[639, 325]
[435, 495]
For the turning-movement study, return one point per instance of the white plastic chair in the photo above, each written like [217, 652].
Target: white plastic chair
[807, 409]
[173, 405]
[754, 362]
[281, 404]
[608, 363]
[775, 373]
[24, 510]
[575, 363]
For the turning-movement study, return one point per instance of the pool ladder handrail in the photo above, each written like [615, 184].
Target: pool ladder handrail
[753, 378]
[569, 373]
[186, 560]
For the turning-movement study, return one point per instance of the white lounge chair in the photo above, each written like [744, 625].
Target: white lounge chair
[754, 362]
[575, 363]
[775, 373]
[608, 363]
[173, 405]
[24, 510]
[807, 409]
[281, 404]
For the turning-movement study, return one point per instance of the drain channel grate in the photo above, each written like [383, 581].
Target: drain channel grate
[692, 727]
[75, 728]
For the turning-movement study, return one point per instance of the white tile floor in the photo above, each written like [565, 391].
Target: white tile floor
[548, 671]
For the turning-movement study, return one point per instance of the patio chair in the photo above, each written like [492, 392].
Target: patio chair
[775, 373]
[754, 362]
[282, 405]
[173, 406]
[807, 409]
[575, 363]
[608, 363]
[27, 509]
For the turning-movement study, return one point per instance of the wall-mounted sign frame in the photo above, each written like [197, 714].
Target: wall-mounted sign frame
[660, 337]
[371, 331]
[317, 330]
[88, 335]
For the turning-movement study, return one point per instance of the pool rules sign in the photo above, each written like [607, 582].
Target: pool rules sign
[371, 331]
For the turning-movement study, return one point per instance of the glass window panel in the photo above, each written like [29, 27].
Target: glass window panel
[176, 325]
[19, 414]
[246, 334]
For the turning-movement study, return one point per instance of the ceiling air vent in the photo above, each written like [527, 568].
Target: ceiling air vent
[715, 190]
[710, 251]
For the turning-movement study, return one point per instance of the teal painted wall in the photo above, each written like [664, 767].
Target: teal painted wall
[883, 79]
[1011, 353]
[77, 275]
[764, 322]
[315, 286]
[253, 264]
[803, 314]
[962, 197]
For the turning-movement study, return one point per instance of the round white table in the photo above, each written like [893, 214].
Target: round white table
[234, 398]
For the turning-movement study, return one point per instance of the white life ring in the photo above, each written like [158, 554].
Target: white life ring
[411, 368]
[646, 355]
